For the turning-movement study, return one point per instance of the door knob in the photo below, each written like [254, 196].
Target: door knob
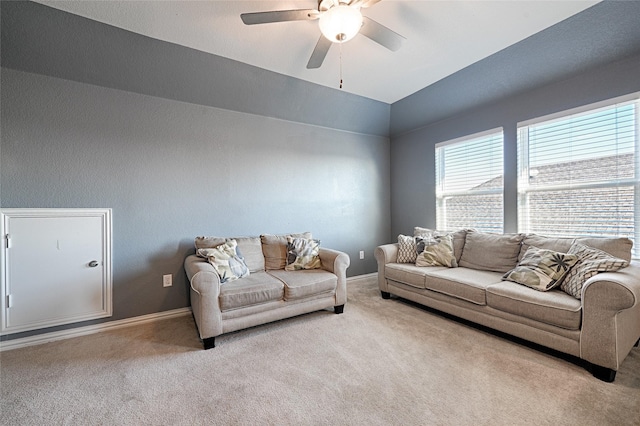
[93, 263]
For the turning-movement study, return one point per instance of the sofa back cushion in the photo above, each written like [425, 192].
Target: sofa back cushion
[274, 249]
[250, 248]
[561, 245]
[491, 252]
[619, 247]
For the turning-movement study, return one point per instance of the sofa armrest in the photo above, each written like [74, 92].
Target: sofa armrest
[611, 316]
[205, 291]
[387, 253]
[336, 262]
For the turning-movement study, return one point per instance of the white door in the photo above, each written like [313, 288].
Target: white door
[56, 267]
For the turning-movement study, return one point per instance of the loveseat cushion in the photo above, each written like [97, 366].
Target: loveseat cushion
[553, 307]
[249, 247]
[463, 283]
[307, 283]
[491, 252]
[274, 249]
[257, 288]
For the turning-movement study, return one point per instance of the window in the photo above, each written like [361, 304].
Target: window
[578, 173]
[469, 183]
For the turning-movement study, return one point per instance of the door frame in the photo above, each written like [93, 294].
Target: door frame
[107, 285]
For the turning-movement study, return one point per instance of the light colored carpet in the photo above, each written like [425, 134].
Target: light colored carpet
[383, 362]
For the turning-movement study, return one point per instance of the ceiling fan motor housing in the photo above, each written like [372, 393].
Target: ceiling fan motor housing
[340, 22]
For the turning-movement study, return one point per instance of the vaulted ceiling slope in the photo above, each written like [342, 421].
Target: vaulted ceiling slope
[441, 36]
[605, 33]
[46, 40]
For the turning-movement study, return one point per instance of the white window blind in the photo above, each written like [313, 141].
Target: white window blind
[578, 174]
[469, 184]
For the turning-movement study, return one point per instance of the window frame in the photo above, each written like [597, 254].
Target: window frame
[524, 169]
[442, 195]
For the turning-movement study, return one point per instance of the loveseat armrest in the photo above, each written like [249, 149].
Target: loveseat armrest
[336, 262]
[387, 253]
[205, 292]
[611, 316]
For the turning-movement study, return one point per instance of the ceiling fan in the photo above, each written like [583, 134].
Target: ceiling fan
[339, 21]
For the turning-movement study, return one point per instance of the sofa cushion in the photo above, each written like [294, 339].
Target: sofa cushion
[255, 289]
[616, 247]
[406, 249]
[406, 273]
[591, 261]
[561, 245]
[227, 260]
[274, 249]
[250, 248]
[552, 307]
[463, 283]
[491, 252]
[304, 284]
[302, 253]
[435, 251]
[458, 238]
[541, 269]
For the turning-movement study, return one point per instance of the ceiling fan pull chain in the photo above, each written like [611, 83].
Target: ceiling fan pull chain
[340, 65]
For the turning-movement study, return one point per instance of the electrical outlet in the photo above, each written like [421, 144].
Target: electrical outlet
[361, 254]
[167, 280]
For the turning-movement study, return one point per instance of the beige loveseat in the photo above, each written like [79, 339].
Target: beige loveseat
[268, 293]
[601, 326]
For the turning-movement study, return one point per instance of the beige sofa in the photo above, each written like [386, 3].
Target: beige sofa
[601, 327]
[268, 293]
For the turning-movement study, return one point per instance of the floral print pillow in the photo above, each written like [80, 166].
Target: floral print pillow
[302, 253]
[435, 250]
[541, 269]
[227, 260]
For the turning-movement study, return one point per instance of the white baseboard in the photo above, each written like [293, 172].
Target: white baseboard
[90, 329]
[127, 322]
[365, 277]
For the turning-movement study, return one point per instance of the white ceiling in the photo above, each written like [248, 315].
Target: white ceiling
[442, 36]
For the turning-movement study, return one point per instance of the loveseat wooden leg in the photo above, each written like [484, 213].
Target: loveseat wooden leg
[603, 373]
[209, 343]
[385, 294]
[338, 309]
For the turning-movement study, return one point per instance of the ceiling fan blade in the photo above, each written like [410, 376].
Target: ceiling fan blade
[279, 16]
[381, 34]
[319, 53]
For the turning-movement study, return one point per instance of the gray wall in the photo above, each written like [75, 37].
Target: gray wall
[94, 116]
[172, 170]
[413, 153]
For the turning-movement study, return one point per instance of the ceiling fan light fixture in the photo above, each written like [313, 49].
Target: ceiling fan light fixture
[340, 23]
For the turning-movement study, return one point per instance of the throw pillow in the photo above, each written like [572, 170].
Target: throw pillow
[436, 251]
[541, 269]
[302, 253]
[591, 262]
[227, 260]
[458, 237]
[274, 249]
[406, 249]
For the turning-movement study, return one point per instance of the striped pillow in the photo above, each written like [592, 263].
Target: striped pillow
[591, 262]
